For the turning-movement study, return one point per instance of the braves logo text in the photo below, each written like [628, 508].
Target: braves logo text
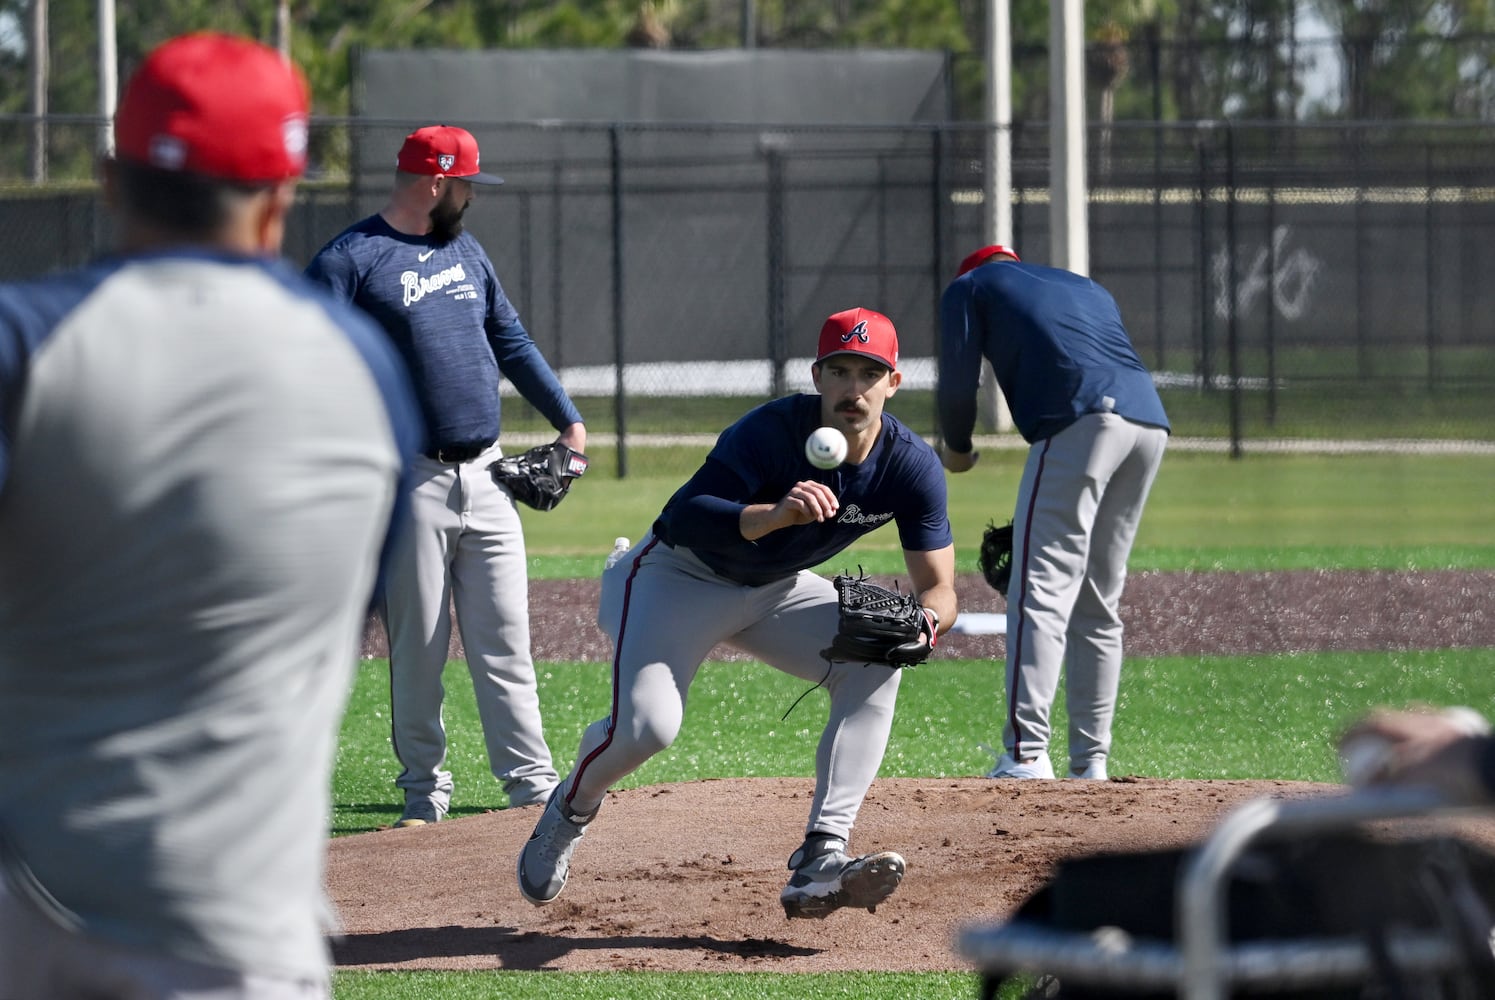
[852, 514]
[419, 286]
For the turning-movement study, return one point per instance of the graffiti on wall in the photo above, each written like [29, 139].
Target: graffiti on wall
[1292, 278]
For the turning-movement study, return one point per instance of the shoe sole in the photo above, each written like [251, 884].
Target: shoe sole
[864, 884]
[407, 823]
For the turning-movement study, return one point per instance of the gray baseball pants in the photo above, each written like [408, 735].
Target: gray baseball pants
[463, 548]
[665, 610]
[1078, 507]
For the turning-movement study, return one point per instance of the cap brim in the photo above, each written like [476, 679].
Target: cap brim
[482, 178]
[861, 354]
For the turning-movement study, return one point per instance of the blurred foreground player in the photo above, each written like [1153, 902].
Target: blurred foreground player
[200, 457]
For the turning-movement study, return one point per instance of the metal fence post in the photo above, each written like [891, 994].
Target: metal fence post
[777, 347]
[1233, 309]
[620, 354]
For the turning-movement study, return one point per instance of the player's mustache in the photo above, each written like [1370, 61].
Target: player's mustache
[850, 406]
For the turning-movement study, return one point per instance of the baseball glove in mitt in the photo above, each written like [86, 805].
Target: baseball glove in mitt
[879, 625]
[995, 559]
[540, 477]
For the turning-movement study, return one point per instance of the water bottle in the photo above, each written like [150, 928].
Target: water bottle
[620, 549]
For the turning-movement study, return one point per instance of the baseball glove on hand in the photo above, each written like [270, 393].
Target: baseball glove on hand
[995, 559]
[880, 625]
[540, 477]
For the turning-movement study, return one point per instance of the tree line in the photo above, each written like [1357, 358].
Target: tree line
[1170, 60]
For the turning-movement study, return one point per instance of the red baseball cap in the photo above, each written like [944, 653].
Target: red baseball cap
[443, 149]
[216, 105]
[859, 331]
[979, 257]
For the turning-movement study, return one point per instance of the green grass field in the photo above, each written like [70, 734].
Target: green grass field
[1179, 717]
[1206, 512]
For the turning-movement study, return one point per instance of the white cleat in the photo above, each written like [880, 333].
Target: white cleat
[1033, 767]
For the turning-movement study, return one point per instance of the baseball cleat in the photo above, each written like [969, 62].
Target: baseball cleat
[418, 812]
[1094, 770]
[826, 879]
[1033, 767]
[545, 861]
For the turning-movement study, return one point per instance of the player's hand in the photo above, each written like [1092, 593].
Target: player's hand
[807, 501]
[1420, 746]
[958, 461]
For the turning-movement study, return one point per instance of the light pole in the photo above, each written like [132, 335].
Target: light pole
[108, 76]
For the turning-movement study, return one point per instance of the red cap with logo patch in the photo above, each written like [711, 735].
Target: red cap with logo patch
[859, 331]
[979, 257]
[215, 105]
[443, 149]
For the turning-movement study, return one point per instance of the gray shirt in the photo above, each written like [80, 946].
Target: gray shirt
[198, 465]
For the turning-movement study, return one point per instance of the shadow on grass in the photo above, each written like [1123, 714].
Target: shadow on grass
[530, 950]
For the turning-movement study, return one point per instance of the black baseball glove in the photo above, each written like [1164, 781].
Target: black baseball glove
[879, 625]
[995, 559]
[540, 477]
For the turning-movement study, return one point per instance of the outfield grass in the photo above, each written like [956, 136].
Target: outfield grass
[1207, 512]
[1218, 717]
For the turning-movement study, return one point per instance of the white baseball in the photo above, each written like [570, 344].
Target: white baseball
[826, 448]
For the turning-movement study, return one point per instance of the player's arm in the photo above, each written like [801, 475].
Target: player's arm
[574, 436]
[806, 501]
[522, 363]
[959, 376]
[333, 268]
[932, 575]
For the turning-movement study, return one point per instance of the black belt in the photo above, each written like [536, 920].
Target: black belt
[456, 455]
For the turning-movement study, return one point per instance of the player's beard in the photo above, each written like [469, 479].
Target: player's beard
[446, 218]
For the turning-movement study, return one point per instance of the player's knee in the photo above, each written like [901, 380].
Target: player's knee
[655, 734]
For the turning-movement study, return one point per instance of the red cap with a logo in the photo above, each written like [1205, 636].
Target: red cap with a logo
[443, 149]
[979, 257]
[859, 331]
[215, 105]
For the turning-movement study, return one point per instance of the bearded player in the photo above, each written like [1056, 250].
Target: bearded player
[729, 561]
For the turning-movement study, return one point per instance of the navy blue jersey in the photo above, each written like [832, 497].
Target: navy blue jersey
[1056, 342]
[762, 455]
[443, 306]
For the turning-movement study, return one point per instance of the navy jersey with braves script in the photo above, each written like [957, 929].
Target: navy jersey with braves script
[1056, 342]
[762, 455]
[199, 459]
[443, 306]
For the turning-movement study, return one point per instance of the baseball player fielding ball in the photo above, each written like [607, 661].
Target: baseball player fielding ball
[826, 448]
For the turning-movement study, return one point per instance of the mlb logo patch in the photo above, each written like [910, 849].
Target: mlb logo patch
[445, 161]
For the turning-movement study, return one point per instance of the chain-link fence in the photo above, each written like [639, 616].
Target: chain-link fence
[1284, 282]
